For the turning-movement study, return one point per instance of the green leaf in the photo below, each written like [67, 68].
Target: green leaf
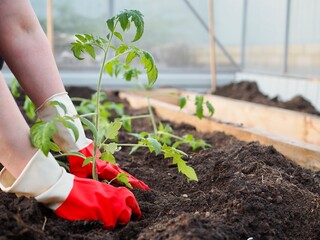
[182, 102]
[110, 24]
[60, 104]
[187, 170]
[131, 55]
[156, 146]
[29, 108]
[108, 157]
[131, 73]
[210, 108]
[126, 123]
[118, 35]
[41, 134]
[77, 49]
[81, 38]
[15, 87]
[199, 107]
[87, 161]
[123, 178]
[90, 125]
[124, 20]
[78, 154]
[111, 148]
[150, 67]
[90, 50]
[121, 49]
[113, 129]
[72, 126]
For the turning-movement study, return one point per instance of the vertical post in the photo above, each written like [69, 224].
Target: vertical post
[50, 24]
[111, 8]
[212, 48]
[286, 38]
[244, 33]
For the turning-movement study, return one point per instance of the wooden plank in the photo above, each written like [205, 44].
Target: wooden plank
[306, 155]
[298, 126]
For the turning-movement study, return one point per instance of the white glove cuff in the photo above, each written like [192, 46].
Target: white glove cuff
[42, 179]
[64, 138]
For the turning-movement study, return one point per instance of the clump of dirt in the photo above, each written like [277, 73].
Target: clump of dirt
[249, 91]
[245, 190]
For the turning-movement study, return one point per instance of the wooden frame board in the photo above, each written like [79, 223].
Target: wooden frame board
[306, 155]
[298, 126]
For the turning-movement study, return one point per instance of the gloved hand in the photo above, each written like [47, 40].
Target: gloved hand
[70, 197]
[66, 142]
[105, 170]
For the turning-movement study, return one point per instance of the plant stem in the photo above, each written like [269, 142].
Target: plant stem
[152, 117]
[130, 145]
[170, 135]
[139, 116]
[97, 120]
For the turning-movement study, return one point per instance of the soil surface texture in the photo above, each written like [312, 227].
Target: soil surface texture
[245, 191]
[249, 91]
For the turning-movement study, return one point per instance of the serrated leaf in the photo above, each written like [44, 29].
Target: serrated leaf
[123, 178]
[41, 134]
[187, 170]
[90, 125]
[124, 20]
[87, 161]
[108, 157]
[113, 129]
[90, 50]
[155, 145]
[182, 102]
[111, 148]
[210, 108]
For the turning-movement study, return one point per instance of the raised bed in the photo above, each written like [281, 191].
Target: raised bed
[245, 190]
[246, 121]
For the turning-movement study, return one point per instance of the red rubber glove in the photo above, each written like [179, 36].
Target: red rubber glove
[70, 197]
[93, 200]
[105, 170]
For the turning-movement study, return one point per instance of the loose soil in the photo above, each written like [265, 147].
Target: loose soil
[249, 91]
[245, 191]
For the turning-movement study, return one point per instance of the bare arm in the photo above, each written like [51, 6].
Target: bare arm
[26, 50]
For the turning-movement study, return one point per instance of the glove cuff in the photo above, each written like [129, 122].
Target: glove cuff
[42, 179]
[64, 138]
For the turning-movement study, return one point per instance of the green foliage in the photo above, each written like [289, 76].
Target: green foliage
[87, 43]
[41, 135]
[29, 108]
[15, 88]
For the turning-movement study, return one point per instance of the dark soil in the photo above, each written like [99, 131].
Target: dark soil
[249, 91]
[245, 191]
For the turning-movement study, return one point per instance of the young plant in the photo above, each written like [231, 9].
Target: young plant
[120, 63]
[118, 57]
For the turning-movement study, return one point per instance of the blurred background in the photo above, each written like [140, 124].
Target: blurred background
[273, 42]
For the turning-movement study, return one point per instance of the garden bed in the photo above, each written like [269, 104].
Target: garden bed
[245, 190]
